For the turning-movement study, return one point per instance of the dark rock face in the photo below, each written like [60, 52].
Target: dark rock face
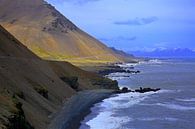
[125, 90]
[141, 90]
[18, 120]
[117, 69]
[144, 90]
[60, 23]
[72, 81]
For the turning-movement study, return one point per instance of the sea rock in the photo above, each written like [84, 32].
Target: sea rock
[144, 90]
[130, 71]
[140, 90]
[117, 69]
[125, 90]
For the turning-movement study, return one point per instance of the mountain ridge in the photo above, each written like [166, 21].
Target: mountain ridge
[163, 53]
[50, 35]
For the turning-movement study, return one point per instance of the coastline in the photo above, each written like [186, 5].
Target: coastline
[77, 108]
[79, 105]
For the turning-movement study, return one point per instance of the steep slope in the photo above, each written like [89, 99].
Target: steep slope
[33, 89]
[121, 54]
[50, 35]
[23, 73]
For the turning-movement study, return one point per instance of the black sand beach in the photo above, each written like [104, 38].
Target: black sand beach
[75, 109]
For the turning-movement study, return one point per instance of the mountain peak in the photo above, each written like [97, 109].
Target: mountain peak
[59, 23]
[32, 10]
[50, 35]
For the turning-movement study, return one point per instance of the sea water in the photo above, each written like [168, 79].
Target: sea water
[173, 107]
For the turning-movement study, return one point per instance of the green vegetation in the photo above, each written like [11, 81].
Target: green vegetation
[41, 52]
[105, 83]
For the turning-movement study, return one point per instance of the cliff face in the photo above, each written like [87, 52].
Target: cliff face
[50, 35]
[32, 89]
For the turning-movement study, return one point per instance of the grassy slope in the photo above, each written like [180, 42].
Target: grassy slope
[22, 72]
[50, 35]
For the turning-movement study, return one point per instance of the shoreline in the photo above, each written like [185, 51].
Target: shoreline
[77, 108]
[111, 68]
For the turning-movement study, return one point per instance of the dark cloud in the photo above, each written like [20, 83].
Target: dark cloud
[137, 21]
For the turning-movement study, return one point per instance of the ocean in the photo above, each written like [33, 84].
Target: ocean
[173, 107]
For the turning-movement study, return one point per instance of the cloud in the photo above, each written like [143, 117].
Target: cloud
[137, 21]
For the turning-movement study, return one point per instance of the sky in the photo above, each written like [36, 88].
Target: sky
[132, 25]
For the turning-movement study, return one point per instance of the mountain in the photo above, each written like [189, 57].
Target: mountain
[50, 35]
[167, 53]
[32, 89]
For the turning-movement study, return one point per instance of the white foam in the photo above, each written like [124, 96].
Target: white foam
[127, 65]
[118, 76]
[153, 61]
[111, 122]
[157, 118]
[171, 106]
[169, 91]
[176, 106]
[110, 105]
[187, 100]
[132, 98]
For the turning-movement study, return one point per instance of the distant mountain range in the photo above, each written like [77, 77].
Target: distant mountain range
[166, 53]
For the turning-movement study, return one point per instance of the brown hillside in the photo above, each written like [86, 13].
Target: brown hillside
[32, 85]
[50, 35]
